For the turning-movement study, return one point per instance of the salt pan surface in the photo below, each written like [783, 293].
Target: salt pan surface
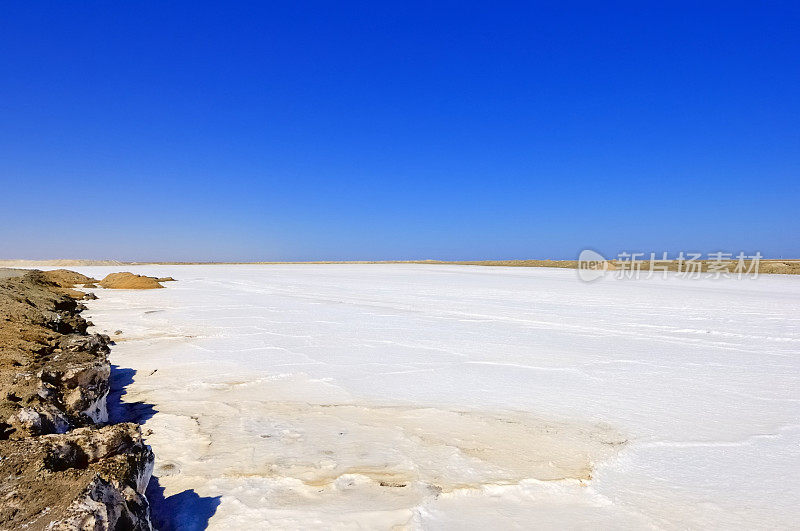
[445, 397]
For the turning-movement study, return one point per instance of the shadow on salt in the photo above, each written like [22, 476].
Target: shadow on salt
[185, 510]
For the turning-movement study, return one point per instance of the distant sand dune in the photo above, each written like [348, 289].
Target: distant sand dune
[772, 266]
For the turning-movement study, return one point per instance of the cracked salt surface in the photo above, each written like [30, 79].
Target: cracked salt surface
[452, 397]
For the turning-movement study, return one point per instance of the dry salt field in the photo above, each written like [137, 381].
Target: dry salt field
[459, 397]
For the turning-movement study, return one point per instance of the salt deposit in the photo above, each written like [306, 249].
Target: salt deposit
[445, 397]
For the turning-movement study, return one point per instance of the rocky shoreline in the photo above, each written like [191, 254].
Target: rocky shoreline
[62, 466]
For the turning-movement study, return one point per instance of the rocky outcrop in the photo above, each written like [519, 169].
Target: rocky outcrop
[53, 375]
[60, 468]
[89, 478]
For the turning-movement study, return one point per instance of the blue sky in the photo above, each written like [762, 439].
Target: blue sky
[404, 130]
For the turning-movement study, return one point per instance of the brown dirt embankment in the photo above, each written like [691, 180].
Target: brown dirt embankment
[59, 469]
[88, 478]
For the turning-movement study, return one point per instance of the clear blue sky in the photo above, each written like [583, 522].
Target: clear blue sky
[397, 130]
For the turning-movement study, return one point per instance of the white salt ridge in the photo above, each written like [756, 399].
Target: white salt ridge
[98, 410]
[292, 392]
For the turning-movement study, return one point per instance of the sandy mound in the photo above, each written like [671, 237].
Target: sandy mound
[129, 281]
[67, 279]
